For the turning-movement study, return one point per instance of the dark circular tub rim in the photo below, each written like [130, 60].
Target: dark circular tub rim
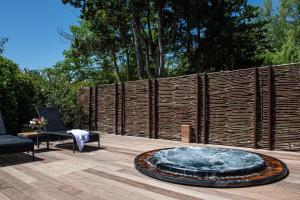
[275, 170]
[199, 172]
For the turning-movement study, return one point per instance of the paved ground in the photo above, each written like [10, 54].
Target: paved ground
[109, 173]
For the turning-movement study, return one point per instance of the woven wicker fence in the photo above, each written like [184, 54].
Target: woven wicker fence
[256, 107]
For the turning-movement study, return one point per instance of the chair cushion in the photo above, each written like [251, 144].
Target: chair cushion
[2, 127]
[93, 137]
[11, 140]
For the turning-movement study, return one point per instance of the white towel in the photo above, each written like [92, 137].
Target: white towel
[81, 137]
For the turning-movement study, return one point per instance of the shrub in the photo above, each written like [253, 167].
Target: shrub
[16, 95]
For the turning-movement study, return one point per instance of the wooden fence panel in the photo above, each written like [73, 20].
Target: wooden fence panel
[287, 107]
[231, 103]
[233, 108]
[136, 108]
[106, 108]
[177, 104]
[263, 121]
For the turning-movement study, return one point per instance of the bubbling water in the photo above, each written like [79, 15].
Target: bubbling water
[203, 160]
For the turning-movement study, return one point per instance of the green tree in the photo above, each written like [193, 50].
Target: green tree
[16, 95]
[200, 36]
[59, 85]
[222, 35]
[89, 57]
[283, 32]
[2, 43]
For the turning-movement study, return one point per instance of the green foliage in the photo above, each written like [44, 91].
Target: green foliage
[55, 87]
[88, 58]
[225, 36]
[198, 35]
[2, 42]
[16, 92]
[283, 33]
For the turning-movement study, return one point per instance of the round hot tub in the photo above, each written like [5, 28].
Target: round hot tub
[210, 167]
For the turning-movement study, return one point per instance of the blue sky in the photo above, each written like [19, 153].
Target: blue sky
[32, 28]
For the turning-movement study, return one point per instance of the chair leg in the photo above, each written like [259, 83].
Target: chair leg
[38, 142]
[73, 145]
[33, 158]
[99, 141]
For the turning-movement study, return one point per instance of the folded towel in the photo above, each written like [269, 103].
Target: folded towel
[81, 137]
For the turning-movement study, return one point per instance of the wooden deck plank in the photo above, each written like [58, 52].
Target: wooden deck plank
[109, 173]
[4, 197]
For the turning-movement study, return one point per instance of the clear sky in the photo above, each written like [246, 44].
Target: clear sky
[32, 28]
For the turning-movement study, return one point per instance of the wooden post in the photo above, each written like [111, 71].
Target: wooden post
[116, 108]
[270, 121]
[255, 107]
[96, 107]
[186, 133]
[90, 107]
[122, 108]
[155, 102]
[150, 108]
[205, 109]
[198, 109]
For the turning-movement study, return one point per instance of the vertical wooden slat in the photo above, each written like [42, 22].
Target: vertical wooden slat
[155, 102]
[204, 110]
[150, 108]
[116, 108]
[198, 109]
[96, 107]
[270, 105]
[99, 108]
[90, 107]
[255, 107]
[122, 108]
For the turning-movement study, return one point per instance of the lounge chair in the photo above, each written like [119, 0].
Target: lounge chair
[13, 144]
[56, 125]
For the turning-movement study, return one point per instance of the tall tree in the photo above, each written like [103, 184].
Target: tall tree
[283, 32]
[2, 43]
[222, 35]
[209, 35]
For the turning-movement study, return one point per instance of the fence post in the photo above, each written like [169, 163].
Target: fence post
[150, 108]
[96, 108]
[122, 108]
[90, 107]
[155, 117]
[116, 108]
[198, 109]
[255, 106]
[205, 108]
[270, 109]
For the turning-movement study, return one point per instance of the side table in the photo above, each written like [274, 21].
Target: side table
[33, 135]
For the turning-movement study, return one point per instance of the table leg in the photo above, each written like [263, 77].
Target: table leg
[73, 145]
[47, 141]
[37, 142]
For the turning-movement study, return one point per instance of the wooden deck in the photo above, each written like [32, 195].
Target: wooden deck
[109, 173]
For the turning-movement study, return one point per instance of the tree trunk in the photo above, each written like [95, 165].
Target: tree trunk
[127, 57]
[189, 50]
[146, 42]
[138, 50]
[150, 38]
[113, 53]
[160, 44]
[148, 62]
